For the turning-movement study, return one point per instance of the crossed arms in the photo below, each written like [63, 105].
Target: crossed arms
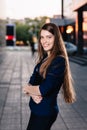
[34, 92]
[53, 80]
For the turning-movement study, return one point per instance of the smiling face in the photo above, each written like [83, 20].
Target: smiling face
[47, 40]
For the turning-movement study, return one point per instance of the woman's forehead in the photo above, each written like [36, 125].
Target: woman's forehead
[45, 32]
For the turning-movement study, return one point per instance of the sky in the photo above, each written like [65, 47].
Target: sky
[32, 8]
[2, 9]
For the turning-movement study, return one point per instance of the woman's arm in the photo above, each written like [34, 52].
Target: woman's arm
[54, 78]
[34, 92]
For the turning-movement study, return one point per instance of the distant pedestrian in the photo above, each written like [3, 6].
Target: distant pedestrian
[51, 73]
[32, 48]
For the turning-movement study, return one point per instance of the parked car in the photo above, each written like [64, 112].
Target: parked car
[71, 48]
[19, 43]
[85, 50]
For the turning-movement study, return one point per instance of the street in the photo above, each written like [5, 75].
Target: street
[16, 67]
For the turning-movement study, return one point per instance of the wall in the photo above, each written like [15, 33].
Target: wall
[2, 21]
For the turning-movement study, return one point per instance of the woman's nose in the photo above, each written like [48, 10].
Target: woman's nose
[45, 40]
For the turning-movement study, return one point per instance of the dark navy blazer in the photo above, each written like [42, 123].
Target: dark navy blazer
[49, 87]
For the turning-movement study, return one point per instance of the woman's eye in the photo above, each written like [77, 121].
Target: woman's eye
[49, 37]
[41, 37]
[46, 38]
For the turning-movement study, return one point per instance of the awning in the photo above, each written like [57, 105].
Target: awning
[62, 21]
[82, 7]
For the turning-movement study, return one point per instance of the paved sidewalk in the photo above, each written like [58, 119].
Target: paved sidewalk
[15, 69]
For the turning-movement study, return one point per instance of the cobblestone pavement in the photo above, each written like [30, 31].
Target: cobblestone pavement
[15, 69]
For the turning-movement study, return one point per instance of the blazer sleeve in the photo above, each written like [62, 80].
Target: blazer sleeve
[54, 77]
[33, 76]
[36, 78]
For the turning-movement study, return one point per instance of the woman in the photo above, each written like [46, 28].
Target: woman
[51, 73]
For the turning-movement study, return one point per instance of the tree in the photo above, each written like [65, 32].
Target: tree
[25, 32]
[22, 32]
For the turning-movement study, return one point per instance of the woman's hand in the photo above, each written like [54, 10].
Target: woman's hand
[36, 99]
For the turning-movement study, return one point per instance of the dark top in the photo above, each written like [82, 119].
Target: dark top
[49, 87]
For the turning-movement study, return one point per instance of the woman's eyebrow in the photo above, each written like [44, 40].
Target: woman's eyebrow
[41, 36]
[46, 35]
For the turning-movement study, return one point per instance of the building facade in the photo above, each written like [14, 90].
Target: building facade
[77, 9]
[80, 7]
[2, 22]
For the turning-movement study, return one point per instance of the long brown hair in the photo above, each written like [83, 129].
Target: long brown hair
[58, 49]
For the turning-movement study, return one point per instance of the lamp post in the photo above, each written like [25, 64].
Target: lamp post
[62, 9]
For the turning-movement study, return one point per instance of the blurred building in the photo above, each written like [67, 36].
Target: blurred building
[77, 9]
[66, 26]
[66, 21]
[80, 7]
[2, 22]
[73, 22]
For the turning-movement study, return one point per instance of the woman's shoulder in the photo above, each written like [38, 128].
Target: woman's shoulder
[58, 64]
[58, 59]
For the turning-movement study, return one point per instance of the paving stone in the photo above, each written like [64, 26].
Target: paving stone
[3, 95]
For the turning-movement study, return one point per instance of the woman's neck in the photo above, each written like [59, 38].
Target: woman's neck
[48, 53]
